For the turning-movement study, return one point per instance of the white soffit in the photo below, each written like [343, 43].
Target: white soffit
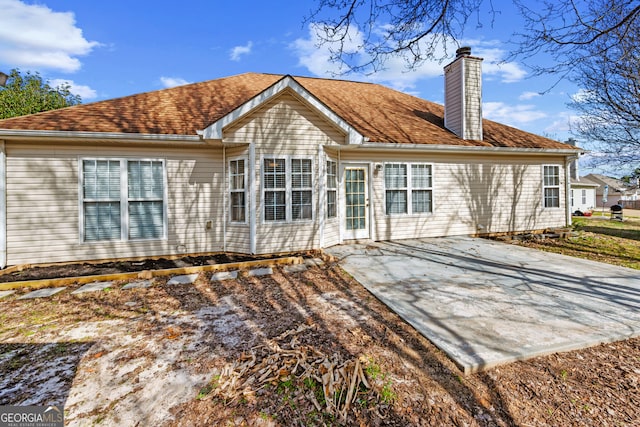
[214, 131]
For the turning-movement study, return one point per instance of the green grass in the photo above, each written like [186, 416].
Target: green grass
[600, 239]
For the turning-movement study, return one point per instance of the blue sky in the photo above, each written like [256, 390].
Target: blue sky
[107, 49]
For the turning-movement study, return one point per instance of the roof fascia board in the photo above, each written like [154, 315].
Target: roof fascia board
[440, 148]
[215, 130]
[22, 134]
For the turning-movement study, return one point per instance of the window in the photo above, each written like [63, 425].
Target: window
[123, 199]
[332, 189]
[421, 191]
[395, 184]
[101, 199]
[408, 188]
[237, 191]
[551, 186]
[584, 197]
[301, 190]
[275, 190]
[287, 189]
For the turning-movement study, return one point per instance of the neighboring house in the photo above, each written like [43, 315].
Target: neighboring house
[261, 163]
[583, 194]
[617, 191]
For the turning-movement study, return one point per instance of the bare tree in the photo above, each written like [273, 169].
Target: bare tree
[609, 104]
[420, 30]
[417, 30]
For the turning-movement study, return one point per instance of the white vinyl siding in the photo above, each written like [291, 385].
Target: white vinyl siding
[551, 186]
[49, 174]
[122, 199]
[237, 191]
[332, 189]
[408, 188]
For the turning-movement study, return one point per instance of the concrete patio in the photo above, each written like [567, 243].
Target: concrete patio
[485, 303]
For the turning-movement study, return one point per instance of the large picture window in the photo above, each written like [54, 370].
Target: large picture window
[237, 190]
[287, 189]
[408, 188]
[551, 186]
[123, 199]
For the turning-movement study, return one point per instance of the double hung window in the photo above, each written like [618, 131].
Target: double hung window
[551, 186]
[287, 189]
[123, 199]
[408, 188]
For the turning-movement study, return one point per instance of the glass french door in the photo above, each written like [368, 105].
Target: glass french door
[356, 215]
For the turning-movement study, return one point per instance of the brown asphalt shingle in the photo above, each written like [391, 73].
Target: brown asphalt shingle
[377, 112]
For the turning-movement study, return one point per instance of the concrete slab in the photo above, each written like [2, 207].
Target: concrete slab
[93, 287]
[4, 294]
[485, 303]
[295, 268]
[139, 284]
[42, 293]
[260, 272]
[224, 275]
[186, 279]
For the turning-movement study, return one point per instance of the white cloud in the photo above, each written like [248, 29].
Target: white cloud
[84, 91]
[36, 37]
[525, 96]
[316, 58]
[173, 81]
[513, 115]
[494, 63]
[238, 51]
[564, 122]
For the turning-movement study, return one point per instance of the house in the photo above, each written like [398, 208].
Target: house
[262, 163]
[612, 191]
[583, 194]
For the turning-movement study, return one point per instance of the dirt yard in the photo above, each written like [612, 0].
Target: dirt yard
[188, 355]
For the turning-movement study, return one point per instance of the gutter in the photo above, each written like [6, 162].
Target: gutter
[442, 148]
[21, 134]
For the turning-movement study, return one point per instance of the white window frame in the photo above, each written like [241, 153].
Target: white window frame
[124, 198]
[332, 186]
[550, 186]
[584, 196]
[288, 189]
[409, 189]
[244, 190]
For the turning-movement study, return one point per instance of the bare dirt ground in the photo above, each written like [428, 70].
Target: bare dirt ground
[160, 356]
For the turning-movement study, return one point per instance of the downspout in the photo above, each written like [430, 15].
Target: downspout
[3, 205]
[252, 198]
[567, 188]
[225, 191]
[322, 191]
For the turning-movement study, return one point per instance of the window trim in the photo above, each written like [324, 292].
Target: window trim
[288, 189]
[333, 189]
[409, 189]
[124, 199]
[245, 190]
[545, 187]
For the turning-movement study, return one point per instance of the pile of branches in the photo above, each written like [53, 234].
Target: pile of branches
[337, 383]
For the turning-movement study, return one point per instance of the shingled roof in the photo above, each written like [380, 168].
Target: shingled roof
[379, 113]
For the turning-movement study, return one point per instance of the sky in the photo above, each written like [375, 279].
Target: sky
[109, 49]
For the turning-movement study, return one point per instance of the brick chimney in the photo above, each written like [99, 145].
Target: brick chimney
[463, 95]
